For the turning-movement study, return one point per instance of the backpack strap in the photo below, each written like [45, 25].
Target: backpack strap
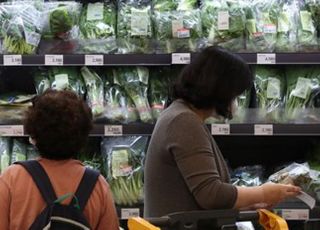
[86, 187]
[40, 178]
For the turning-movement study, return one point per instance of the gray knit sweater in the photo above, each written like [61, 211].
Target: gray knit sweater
[184, 168]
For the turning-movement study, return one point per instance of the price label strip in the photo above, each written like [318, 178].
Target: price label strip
[113, 130]
[53, 60]
[266, 58]
[220, 129]
[11, 130]
[94, 60]
[293, 214]
[12, 60]
[181, 58]
[263, 130]
[127, 213]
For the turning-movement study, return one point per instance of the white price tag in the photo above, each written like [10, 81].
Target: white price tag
[295, 214]
[220, 129]
[113, 130]
[94, 59]
[263, 130]
[181, 58]
[11, 130]
[264, 58]
[126, 213]
[53, 60]
[307, 199]
[223, 20]
[12, 60]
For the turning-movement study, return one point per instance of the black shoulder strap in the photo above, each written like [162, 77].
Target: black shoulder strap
[86, 187]
[41, 179]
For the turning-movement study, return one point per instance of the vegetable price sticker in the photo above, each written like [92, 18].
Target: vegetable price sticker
[94, 60]
[220, 129]
[264, 58]
[113, 130]
[181, 58]
[263, 130]
[127, 213]
[11, 130]
[12, 60]
[53, 60]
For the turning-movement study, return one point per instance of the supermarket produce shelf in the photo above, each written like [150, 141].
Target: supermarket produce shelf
[148, 59]
[228, 130]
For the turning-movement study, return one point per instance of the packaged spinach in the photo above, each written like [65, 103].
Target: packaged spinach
[98, 28]
[224, 23]
[307, 34]
[134, 27]
[287, 26]
[261, 25]
[270, 85]
[4, 153]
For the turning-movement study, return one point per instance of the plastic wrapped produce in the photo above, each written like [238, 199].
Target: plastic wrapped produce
[248, 176]
[19, 151]
[98, 28]
[224, 23]
[4, 153]
[20, 27]
[134, 27]
[124, 157]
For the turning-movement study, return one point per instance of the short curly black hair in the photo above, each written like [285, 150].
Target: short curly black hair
[213, 80]
[59, 122]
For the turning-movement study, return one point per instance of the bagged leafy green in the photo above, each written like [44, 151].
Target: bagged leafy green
[165, 5]
[178, 31]
[16, 98]
[98, 28]
[270, 85]
[314, 7]
[124, 157]
[134, 27]
[135, 82]
[94, 87]
[41, 80]
[158, 90]
[261, 25]
[12, 114]
[287, 26]
[301, 82]
[4, 153]
[60, 27]
[19, 151]
[20, 27]
[118, 105]
[307, 34]
[224, 23]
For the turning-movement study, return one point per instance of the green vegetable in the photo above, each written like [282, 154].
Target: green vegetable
[4, 153]
[19, 151]
[94, 87]
[314, 7]
[269, 84]
[135, 83]
[134, 31]
[60, 21]
[165, 5]
[231, 38]
[98, 32]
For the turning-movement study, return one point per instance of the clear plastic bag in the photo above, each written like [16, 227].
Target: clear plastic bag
[134, 27]
[287, 26]
[270, 85]
[4, 153]
[124, 158]
[178, 31]
[248, 175]
[224, 23]
[98, 28]
[314, 7]
[19, 151]
[135, 82]
[20, 27]
[261, 25]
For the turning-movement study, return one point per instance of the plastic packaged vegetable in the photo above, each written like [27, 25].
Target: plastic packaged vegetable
[134, 27]
[98, 28]
[4, 153]
[314, 7]
[270, 85]
[124, 157]
[20, 27]
[19, 151]
[224, 23]
[248, 176]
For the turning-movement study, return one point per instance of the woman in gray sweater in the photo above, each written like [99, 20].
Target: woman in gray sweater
[185, 169]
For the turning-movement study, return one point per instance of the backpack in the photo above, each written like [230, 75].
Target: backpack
[56, 215]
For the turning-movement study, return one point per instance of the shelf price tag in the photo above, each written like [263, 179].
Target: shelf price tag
[266, 58]
[11, 130]
[181, 58]
[127, 213]
[263, 130]
[53, 60]
[94, 60]
[293, 214]
[113, 130]
[12, 60]
[220, 129]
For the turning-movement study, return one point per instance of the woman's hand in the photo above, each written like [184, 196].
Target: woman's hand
[275, 193]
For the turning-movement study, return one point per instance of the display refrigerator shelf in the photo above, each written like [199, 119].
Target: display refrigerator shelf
[148, 59]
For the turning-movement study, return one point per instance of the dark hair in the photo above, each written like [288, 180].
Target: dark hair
[59, 122]
[212, 80]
